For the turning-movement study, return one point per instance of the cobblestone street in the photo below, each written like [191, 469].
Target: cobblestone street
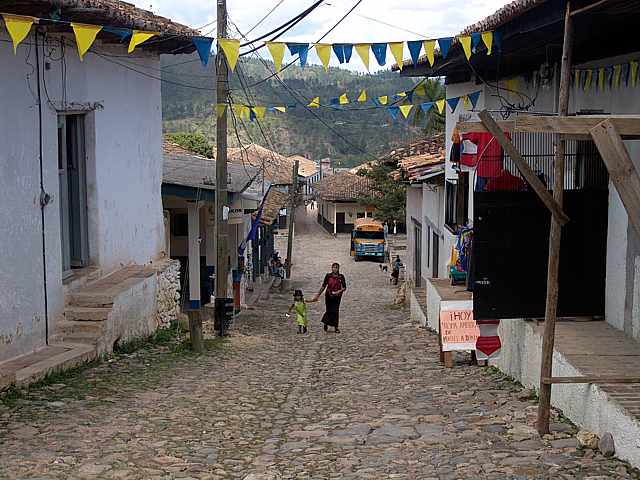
[370, 402]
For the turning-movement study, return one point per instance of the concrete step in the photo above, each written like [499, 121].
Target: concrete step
[92, 300]
[37, 365]
[79, 332]
[89, 314]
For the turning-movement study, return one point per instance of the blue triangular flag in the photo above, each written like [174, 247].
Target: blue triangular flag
[497, 42]
[625, 75]
[203, 46]
[445, 45]
[475, 40]
[414, 49]
[343, 51]
[473, 98]
[380, 52]
[300, 49]
[394, 111]
[335, 101]
[123, 33]
[252, 115]
[453, 103]
[426, 106]
[376, 102]
[409, 96]
[608, 76]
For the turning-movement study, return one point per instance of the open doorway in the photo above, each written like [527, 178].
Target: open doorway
[73, 192]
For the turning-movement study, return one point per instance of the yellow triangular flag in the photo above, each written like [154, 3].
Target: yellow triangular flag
[18, 28]
[487, 38]
[324, 52]
[138, 37]
[465, 102]
[383, 99]
[420, 90]
[430, 48]
[397, 50]
[587, 82]
[363, 96]
[259, 112]
[440, 105]
[343, 99]
[85, 36]
[245, 112]
[601, 79]
[401, 94]
[276, 49]
[237, 110]
[363, 50]
[633, 72]
[576, 80]
[231, 49]
[511, 85]
[406, 110]
[617, 73]
[315, 103]
[465, 41]
[281, 109]
[220, 109]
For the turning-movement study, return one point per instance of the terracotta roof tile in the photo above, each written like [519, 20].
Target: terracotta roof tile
[343, 186]
[274, 201]
[278, 168]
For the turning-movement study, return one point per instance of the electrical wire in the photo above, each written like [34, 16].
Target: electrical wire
[265, 17]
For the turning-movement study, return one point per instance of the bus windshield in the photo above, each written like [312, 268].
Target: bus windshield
[369, 235]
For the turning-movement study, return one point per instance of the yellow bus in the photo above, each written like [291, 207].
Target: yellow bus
[368, 239]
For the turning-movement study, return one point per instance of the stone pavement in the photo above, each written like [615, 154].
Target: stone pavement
[370, 403]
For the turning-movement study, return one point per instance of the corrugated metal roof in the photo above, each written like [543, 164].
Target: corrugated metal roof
[185, 168]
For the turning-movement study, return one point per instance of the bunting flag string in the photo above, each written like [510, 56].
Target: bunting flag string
[85, 36]
[277, 53]
[18, 28]
[231, 49]
[139, 37]
[607, 77]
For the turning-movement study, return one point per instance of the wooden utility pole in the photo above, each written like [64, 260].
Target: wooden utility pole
[222, 93]
[291, 214]
[555, 234]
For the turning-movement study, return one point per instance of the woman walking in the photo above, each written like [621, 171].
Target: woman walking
[335, 285]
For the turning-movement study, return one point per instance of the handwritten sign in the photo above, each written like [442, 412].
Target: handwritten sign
[458, 329]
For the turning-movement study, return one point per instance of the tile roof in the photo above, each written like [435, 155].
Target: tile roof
[174, 37]
[418, 159]
[306, 167]
[278, 168]
[274, 201]
[343, 186]
[188, 169]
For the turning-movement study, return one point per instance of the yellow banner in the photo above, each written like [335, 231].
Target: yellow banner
[343, 99]
[315, 103]
[406, 110]
[85, 36]
[280, 109]
[587, 83]
[18, 28]
[138, 37]
[487, 38]
[231, 49]
[276, 49]
[601, 79]
[397, 50]
[420, 90]
[259, 112]
[633, 72]
[324, 52]
[383, 99]
[430, 48]
[617, 73]
[363, 96]
[466, 103]
[363, 50]
[440, 105]
[465, 41]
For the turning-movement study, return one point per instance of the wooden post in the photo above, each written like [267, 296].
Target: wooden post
[195, 331]
[555, 234]
[291, 211]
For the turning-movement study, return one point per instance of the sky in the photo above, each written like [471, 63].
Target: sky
[404, 19]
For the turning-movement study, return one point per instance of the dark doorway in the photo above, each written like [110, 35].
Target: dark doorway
[417, 255]
[436, 254]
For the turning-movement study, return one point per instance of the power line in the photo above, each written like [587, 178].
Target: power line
[265, 17]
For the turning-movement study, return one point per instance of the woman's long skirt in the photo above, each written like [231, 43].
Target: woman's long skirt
[331, 317]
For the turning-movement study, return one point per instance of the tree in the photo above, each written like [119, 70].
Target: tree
[194, 142]
[388, 195]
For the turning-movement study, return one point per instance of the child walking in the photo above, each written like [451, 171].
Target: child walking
[301, 311]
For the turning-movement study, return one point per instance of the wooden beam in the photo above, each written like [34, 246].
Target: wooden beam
[581, 125]
[590, 379]
[622, 171]
[492, 127]
[555, 235]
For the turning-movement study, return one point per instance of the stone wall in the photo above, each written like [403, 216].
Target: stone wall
[168, 293]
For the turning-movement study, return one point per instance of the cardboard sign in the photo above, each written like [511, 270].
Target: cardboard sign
[458, 329]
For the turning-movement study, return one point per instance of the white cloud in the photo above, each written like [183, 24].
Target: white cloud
[430, 19]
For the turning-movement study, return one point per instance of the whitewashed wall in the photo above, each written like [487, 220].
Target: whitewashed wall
[124, 168]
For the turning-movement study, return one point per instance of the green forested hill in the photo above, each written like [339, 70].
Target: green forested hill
[370, 130]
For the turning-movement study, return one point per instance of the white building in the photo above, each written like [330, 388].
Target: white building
[81, 171]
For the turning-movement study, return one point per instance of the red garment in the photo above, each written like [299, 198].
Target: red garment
[505, 182]
[488, 157]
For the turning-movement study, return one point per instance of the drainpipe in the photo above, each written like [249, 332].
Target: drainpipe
[45, 198]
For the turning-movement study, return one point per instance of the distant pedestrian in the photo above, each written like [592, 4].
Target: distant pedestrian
[300, 307]
[335, 285]
[395, 270]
